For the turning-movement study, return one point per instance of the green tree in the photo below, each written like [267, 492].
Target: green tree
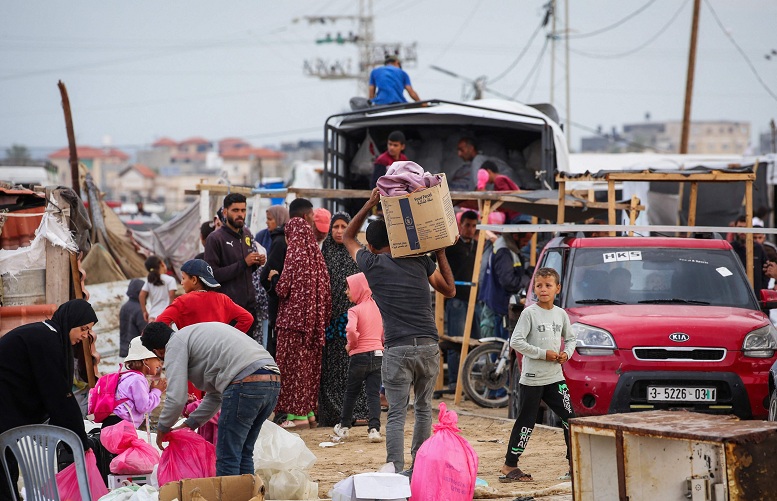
[17, 153]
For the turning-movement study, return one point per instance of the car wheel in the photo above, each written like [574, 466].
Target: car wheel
[773, 406]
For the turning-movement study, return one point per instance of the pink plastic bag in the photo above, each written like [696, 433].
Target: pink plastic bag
[67, 480]
[210, 430]
[446, 466]
[187, 455]
[134, 455]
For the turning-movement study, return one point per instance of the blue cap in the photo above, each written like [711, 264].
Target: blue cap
[199, 268]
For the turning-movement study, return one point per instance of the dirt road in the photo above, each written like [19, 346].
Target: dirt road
[487, 430]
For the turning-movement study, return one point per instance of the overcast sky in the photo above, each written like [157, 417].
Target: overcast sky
[137, 71]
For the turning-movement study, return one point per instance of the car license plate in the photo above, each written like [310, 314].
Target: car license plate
[680, 394]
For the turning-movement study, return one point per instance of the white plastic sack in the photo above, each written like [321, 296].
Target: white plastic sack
[278, 450]
[132, 492]
[364, 160]
[294, 484]
[124, 493]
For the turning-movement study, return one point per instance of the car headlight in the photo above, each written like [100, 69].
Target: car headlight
[593, 341]
[760, 343]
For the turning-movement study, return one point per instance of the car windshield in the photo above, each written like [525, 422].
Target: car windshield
[657, 276]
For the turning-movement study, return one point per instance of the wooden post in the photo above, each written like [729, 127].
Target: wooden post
[749, 236]
[693, 198]
[561, 202]
[71, 139]
[87, 343]
[57, 259]
[473, 295]
[439, 318]
[633, 212]
[611, 203]
[74, 175]
[533, 255]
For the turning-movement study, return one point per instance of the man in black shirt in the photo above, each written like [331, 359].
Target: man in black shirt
[461, 257]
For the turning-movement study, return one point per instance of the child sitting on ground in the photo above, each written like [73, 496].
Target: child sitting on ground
[141, 397]
[538, 338]
[364, 334]
[159, 289]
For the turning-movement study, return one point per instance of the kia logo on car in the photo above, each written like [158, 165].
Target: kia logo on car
[679, 337]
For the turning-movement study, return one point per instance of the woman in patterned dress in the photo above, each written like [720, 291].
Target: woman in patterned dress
[334, 363]
[304, 309]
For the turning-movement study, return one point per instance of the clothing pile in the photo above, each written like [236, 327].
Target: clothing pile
[406, 177]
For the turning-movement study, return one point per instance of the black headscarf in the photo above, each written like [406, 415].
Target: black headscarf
[74, 313]
[340, 265]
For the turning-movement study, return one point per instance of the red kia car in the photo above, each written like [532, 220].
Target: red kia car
[662, 323]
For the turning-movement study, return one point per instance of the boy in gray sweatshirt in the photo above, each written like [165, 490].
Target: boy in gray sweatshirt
[538, 338]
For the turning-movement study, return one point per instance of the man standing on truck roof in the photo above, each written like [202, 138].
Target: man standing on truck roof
[388, 83]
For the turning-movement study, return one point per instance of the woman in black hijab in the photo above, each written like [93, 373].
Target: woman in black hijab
[36, 375]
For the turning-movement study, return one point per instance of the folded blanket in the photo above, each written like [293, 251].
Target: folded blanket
[406, 177]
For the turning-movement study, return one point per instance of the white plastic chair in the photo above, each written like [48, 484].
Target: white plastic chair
[35, 449]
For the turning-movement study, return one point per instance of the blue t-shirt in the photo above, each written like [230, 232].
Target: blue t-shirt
[390, 82]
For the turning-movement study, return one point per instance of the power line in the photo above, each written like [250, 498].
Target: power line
[536, 65]
[742, 52]
[612, 26]
[522, 53]
[461, 29]
[638, 48]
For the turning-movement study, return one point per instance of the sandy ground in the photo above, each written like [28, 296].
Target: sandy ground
[487, 430]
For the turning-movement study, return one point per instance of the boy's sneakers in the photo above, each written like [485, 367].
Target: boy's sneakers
[374, 436]
[342, 431]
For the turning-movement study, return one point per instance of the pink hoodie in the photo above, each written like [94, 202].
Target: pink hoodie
[364, 331]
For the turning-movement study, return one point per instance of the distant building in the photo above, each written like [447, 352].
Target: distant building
[103, 163]
[246, 165]
[162, 150]
[137, 183]
[722, 137]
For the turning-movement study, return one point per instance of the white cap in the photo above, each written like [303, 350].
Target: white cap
[757, 221]
[137, 351]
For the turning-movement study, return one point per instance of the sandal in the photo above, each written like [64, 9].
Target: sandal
[515, 475]
[302, 425]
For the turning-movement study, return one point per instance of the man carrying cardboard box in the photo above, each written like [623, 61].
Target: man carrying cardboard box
[236, 373]
[400, 287]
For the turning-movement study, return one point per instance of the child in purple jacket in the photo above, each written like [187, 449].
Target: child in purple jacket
[141, 396]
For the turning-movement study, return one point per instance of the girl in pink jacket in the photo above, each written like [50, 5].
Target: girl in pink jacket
[364, 335]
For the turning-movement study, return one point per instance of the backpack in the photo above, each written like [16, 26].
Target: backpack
[102, 398]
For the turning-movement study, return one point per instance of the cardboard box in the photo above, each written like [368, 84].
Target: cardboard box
[232, 488]
[420, 222]
[116, 481]
[372, 486]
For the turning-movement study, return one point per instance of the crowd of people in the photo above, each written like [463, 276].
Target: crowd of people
[286, 325]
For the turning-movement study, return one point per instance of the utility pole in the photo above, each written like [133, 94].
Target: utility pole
[774, 135]
[552, 49]
[566, 61]
[370, 53]
[689, 79]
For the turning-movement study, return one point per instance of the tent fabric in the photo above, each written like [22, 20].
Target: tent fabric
[100, 267]
[176, 241]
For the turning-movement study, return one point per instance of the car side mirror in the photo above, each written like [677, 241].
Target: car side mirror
[768, 299]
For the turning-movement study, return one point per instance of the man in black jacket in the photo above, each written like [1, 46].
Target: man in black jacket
[231, 252]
